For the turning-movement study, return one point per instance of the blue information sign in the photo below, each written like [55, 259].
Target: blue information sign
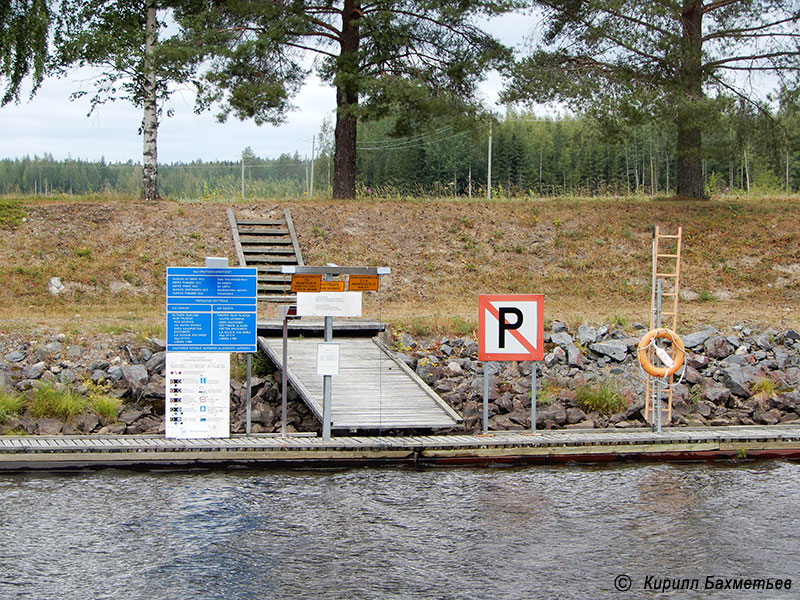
[211, 309]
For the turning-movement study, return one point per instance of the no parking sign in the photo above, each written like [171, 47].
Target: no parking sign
[510, 327]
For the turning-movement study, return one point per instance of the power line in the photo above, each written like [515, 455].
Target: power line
[414, 144]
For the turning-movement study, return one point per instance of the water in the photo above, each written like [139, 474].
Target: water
[516, 533]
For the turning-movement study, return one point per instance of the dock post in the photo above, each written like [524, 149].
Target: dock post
[326, 387]
[533, 396]
[249, 393]
[485, 397]
[285, 368]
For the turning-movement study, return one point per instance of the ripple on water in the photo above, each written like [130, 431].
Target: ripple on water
[534, 532]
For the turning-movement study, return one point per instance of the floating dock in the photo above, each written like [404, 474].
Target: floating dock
[374, 390]
[304, 451]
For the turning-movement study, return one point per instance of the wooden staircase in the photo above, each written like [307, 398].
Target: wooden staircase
[268, 244]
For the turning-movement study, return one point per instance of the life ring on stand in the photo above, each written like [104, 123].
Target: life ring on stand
[672, 364]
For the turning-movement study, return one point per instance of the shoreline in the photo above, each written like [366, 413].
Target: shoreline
[750, 378]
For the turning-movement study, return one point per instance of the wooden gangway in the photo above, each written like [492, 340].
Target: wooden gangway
[303, 451]
[268, 245]
[373, 391]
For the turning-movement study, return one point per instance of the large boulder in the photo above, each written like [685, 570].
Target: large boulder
[615, 349]
[136, 378]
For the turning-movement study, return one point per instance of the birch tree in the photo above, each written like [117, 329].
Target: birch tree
[121, 39]
[24, 27]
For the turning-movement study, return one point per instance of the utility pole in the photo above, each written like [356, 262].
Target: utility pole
[489, 168]
[311, 187]
[242, 175]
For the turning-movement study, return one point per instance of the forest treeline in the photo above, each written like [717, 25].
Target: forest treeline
[531, 156]
[690, 95]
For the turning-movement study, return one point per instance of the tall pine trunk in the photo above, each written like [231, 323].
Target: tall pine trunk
[344, 156]
[150, 118]
[689, 180]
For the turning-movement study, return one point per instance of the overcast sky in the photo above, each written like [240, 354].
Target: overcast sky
[51, 123]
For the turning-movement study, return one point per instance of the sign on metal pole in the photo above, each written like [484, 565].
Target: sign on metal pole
[211, 309]
[327, 358]
[334, 304]
[198, 395]
[510, 327]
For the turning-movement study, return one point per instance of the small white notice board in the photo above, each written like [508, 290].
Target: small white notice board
[332, 304]
[198, 395]
[327, 358]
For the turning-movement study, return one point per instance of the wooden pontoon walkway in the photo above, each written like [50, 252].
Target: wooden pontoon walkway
[372, 391]
[149, 452]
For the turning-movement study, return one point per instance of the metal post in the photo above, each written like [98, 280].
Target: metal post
[249, 392]
[658, 381]
[326, 387]
[285, 369]
[242, 175]
[533, 397]
[485, 397]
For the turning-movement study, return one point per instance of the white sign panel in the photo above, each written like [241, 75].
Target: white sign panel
[510, 327]
[333, 304]
[198, 395]
[327, 358]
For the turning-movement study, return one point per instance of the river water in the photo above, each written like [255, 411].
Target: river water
[534, 532]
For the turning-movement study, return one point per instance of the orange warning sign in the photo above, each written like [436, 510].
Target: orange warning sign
[332, 286]
[305, 282]
[363, 283]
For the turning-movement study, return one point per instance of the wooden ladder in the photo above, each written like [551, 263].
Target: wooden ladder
[667, 269]
[268, 244]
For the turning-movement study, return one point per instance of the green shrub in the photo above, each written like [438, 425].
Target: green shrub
[11, 213]
[11, 405]
[17, 431]
[48, 402]
[763, 389]
[601, 397]
[106, 408]
[706, 296]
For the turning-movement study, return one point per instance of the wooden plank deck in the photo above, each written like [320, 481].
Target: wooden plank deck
[372, 391]
[70, 452]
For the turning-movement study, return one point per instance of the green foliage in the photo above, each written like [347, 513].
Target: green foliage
[695, 394]
[546, 392]
[633, 62]
[378, 57]
[764, 388]
[110, 34]
[602, 397]
[262, 366]
[24, 28]
[706, 296]
[105, 407]
[16, 431]
[11, 213]
[619, 321]
[48, 402]
[11, 405]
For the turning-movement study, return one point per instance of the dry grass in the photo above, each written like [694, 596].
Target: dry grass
[590, 257]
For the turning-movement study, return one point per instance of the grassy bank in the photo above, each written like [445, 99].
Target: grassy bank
[590, 257]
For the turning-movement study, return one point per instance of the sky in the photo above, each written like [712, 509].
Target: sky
[51, 123]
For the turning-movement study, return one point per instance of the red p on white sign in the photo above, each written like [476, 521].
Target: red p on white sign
[511, 327]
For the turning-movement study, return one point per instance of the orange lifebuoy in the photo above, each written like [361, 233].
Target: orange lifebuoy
[677, 345]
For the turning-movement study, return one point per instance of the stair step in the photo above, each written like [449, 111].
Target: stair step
[261, 223]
